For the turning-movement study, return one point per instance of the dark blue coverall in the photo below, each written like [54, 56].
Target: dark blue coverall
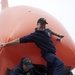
[43, 40]
[18, 70]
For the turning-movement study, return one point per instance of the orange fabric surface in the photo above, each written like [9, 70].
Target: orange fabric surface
[20, 21]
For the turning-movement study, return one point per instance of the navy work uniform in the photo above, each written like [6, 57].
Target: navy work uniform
[18, 70]
[43, 40]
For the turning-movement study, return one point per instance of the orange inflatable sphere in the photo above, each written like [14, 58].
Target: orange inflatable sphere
[20, 21]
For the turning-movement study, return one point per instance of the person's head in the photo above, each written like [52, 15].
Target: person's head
[41, 23]
[27, 64]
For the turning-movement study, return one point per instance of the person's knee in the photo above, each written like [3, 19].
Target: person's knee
[61, 63]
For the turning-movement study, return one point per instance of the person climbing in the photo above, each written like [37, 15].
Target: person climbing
[42, 38]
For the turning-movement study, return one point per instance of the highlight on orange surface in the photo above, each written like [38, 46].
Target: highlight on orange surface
[4, 4]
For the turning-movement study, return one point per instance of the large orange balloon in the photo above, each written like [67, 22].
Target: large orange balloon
[20, 21]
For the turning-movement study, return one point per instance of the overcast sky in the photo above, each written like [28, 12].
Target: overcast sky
[63, 10]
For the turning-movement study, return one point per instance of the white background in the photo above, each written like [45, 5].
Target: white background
[63, 10]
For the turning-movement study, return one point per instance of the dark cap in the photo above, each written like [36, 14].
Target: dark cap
[28, 63]
[42, 20]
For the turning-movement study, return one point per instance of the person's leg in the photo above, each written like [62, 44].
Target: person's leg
[50, 69]
[58, 67]
[50, 58]
[55, 66]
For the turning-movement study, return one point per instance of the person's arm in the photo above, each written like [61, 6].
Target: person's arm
[24, 39]
[16, 41]
[32, 72]
[16, 72]
[28, 38]
[53, 33]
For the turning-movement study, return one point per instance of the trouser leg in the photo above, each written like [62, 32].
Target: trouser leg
[54, 64]
[59, 67]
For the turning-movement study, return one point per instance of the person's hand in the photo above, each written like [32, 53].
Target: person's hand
[2, 45]
[61, 36]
